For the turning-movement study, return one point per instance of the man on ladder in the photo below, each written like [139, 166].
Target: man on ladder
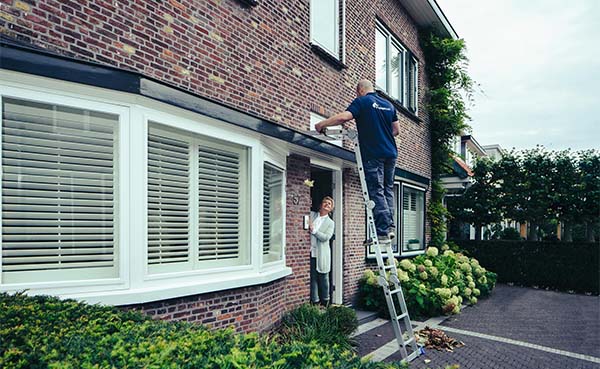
[377, 125]
[376, 154]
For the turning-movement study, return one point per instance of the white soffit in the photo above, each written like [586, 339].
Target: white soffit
[428, 13]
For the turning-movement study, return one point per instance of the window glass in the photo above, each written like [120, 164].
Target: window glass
[58, 192]
[273, 221]
[324, 24]
[396, 70]
[381, 60]
[413, 211]
[196, 202]
[168, 199]
[220, 198]
[396, 66]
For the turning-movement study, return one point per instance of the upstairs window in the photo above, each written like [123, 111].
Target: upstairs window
[396, 69]
[325, 25]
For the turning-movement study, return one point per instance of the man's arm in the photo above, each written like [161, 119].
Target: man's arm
[395, 128]
[336, 120]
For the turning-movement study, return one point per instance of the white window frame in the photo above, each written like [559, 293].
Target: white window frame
[134, 283]
[275, 263]
[122, 160]
[400, 227]
[405, 95]
[339, 24]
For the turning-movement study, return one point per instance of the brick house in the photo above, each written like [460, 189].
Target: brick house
[154, 153]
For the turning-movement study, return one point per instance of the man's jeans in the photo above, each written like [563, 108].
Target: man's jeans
[379, 175]
[319, 284]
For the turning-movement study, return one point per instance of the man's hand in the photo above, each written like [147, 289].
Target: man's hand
[319, 127]
[336, 120]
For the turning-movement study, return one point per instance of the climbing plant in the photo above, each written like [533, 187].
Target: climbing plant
[450, 89]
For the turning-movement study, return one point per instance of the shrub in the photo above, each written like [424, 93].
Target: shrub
[44, 332]
[331, 326]
[433, 284]
[560, 265]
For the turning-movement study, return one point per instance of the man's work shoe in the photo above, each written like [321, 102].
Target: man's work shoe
[392, 233]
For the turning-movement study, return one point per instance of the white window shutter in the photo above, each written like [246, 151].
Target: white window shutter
[58, 191]
[168, 199]
[219, 200]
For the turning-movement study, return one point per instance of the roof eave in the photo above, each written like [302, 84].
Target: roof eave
[427, 13]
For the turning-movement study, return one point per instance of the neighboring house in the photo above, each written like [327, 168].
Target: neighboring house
[154, 154]
[466, 152]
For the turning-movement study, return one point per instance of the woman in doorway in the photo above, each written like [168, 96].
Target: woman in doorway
[321, 230]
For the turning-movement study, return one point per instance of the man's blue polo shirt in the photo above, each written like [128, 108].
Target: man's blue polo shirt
[374, 116]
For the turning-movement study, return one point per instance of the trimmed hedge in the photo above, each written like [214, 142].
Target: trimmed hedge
[559, 265]
[45, 332]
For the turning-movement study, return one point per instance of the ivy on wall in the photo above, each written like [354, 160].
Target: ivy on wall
[449, 88]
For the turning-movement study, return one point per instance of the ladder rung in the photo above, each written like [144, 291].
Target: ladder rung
[395, 291]
[388, 267]
[413, 355]
[409, 341]
[402, 316]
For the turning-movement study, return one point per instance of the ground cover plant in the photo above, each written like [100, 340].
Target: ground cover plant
[330, 326]
[433, 284]
[45, 332]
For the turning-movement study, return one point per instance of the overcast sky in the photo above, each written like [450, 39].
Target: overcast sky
[538, 64]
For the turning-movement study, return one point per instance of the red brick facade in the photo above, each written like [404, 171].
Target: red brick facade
[257, 60]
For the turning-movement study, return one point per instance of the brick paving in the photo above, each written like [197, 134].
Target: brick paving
[559, 320]
[555, 320]
[485, 354]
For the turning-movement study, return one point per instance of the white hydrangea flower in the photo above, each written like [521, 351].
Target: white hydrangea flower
[432, 251]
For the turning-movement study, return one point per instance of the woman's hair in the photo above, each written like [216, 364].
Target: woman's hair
[330, 199]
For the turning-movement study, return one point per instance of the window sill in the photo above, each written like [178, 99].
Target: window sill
[175, 288]
[328, 57]
[399, 106]
[406, 254]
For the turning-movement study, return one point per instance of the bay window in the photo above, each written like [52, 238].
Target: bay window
[118, 202]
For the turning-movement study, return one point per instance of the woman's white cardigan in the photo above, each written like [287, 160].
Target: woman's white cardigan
[320, 240]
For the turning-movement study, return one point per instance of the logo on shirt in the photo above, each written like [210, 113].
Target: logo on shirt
[376, 106]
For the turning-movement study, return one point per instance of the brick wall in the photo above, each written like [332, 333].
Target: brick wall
[255, 59]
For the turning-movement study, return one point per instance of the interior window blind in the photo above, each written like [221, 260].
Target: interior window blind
[267, 214]
[168, 199]
[219, 222]
[58, 188]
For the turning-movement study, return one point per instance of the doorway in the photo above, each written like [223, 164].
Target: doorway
[327, 182]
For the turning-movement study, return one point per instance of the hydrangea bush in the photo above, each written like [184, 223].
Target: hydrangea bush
[433, 284]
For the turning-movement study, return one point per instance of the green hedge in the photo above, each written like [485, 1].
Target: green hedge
[559, 265]
[44, 332]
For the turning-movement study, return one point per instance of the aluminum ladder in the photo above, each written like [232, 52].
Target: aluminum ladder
[405, 338]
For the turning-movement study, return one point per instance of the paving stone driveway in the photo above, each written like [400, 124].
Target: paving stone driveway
[544, 330]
